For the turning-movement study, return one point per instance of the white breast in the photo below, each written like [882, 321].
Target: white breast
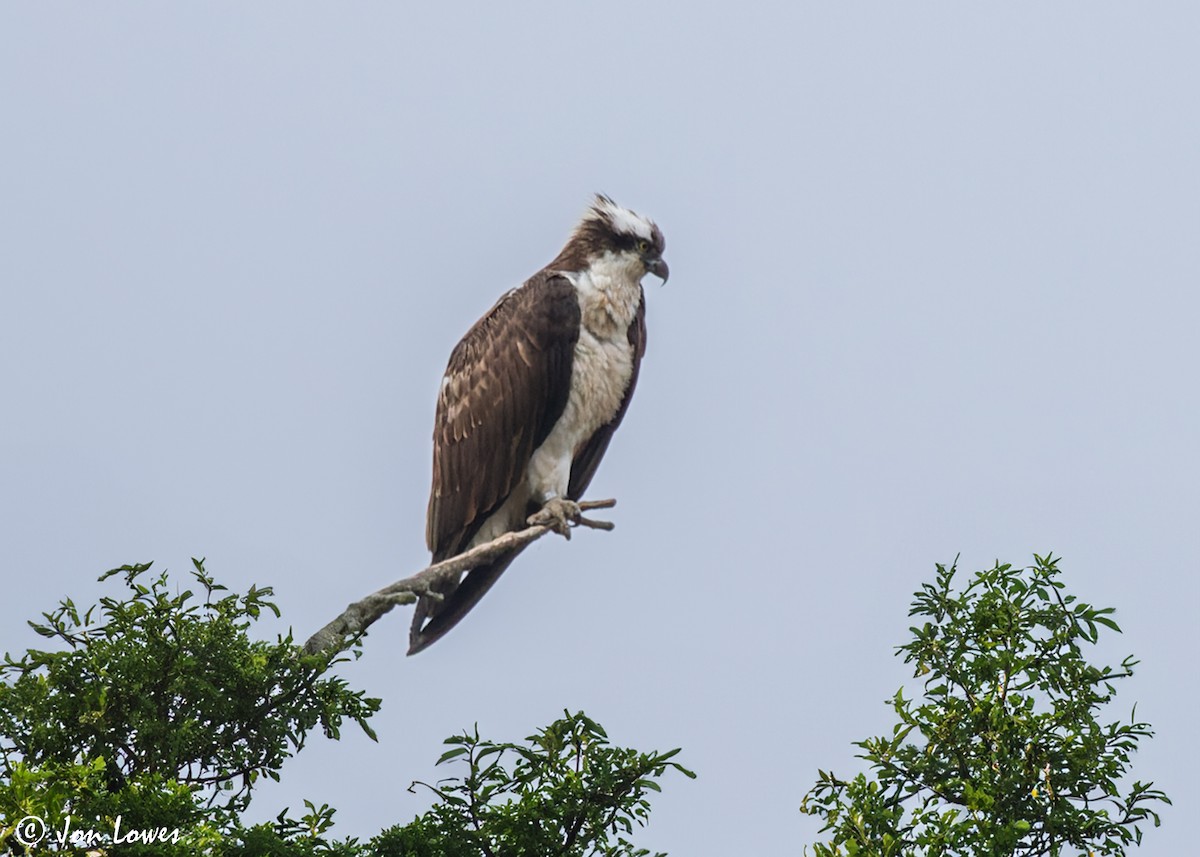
[603, 365]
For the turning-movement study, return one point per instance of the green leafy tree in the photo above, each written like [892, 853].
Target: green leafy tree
[159, 712]
[1005, 754]
[158, 709]
[569, 793]
[565, 792]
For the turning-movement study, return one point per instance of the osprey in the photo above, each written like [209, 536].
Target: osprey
[531, 398]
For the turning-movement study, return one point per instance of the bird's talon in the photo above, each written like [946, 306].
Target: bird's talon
[557, 514]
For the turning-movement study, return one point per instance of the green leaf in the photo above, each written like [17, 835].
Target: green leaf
[451, 754]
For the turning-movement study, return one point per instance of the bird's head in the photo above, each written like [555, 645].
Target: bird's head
[614, 235]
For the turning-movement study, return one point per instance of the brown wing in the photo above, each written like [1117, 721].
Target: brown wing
[505, 387]
[587, 459]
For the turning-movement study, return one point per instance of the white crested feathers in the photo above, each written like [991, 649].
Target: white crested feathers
[621, 219]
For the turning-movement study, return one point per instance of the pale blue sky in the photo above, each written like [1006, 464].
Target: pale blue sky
[934, 291]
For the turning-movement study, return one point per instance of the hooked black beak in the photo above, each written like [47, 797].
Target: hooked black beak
[658, 267]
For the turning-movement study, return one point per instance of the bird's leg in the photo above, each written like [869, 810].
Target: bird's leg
[557, 513]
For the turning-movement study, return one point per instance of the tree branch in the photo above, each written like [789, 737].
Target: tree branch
[360, 615]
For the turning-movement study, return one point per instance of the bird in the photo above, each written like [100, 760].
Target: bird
[530, 399]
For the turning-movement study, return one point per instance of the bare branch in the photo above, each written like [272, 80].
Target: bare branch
[360, 615]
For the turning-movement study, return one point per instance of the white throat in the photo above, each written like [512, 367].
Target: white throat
[609, 290]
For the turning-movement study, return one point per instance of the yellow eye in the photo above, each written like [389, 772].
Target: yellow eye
[643, 246]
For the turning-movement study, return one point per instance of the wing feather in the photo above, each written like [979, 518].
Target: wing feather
[506, 384]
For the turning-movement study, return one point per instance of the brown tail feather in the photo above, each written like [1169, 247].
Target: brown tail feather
[457, 603]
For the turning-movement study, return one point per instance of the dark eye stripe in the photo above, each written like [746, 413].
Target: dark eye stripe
[626, 241]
